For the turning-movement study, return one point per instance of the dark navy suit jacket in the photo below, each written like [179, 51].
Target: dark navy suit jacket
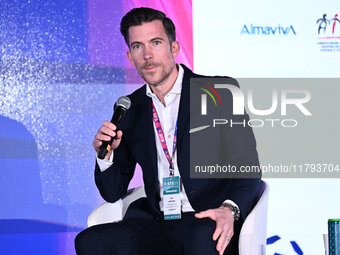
[138, 146]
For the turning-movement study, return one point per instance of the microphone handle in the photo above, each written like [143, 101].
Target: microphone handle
[116, 119]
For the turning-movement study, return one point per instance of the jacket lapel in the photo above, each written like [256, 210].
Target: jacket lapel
[184, 107]
[150, 134]
[150, 174]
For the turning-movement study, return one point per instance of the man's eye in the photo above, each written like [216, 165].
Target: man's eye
[136, 47]
[156, 42]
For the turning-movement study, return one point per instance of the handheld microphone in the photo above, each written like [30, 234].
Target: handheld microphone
[121, 106]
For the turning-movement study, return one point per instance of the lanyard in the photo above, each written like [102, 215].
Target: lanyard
[162, 139]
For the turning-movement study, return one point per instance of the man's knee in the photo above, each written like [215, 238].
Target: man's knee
[88, 242]
[81, 240]
[198, 237]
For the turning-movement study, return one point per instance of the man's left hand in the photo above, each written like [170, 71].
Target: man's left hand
[224, 226]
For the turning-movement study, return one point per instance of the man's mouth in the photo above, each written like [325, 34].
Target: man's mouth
[150, 67]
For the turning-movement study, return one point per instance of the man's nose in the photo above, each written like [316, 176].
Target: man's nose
[148, 53]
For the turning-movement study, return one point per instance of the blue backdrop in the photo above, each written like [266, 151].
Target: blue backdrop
[52, 101]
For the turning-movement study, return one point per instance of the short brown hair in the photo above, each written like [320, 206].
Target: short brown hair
[138, 16]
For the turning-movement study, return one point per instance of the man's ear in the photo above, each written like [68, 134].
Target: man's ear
[175, 47]
[128, 54]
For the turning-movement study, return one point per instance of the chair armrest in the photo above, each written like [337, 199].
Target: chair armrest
[113, 212]
[106, 213]
[133, 195]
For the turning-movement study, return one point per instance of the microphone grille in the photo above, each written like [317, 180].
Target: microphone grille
[124, 102]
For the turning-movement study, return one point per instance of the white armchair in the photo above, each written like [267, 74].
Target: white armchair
[253, 234]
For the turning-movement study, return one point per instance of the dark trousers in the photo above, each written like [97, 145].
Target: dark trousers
[145, 235]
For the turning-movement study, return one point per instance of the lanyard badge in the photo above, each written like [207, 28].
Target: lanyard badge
[171, 185]
[171, 198]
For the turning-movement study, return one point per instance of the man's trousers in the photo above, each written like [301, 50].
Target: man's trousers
[140, 234]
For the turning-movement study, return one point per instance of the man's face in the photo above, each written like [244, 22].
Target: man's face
[151, 53]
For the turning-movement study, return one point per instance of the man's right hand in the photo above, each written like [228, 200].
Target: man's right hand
[105, 132]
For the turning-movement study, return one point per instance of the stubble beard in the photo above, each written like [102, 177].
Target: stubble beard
[163, 76]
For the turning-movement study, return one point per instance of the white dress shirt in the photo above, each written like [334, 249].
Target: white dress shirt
[168, 117]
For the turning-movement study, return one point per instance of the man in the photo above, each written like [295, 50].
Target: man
[209, 208]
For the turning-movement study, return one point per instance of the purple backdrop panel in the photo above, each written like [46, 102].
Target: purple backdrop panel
[105, 44]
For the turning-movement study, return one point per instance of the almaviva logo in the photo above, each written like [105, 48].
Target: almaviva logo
[268, 30]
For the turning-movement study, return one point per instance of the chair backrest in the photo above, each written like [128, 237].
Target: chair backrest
[253, 234]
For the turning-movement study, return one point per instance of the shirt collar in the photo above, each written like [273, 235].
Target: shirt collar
[176, 89]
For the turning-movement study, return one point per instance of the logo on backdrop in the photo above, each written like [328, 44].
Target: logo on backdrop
[268, 30]
[328, 32]
[291, 246]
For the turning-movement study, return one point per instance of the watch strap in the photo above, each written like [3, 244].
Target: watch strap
[234, 210]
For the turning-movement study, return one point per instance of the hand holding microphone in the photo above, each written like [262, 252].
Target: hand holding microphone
[105, 133]
[107, 137]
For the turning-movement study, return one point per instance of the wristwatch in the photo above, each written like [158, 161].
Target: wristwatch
[234, 210]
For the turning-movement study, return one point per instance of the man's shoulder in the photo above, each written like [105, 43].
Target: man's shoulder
[209, 78]
[138, 94]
